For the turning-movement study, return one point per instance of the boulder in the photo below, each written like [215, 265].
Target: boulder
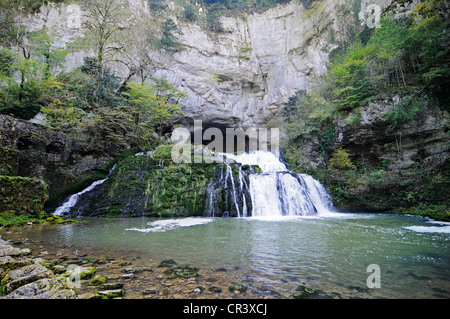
[24, 275]
[25, 278]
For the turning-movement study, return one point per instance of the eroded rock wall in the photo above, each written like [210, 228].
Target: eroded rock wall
[239, 77]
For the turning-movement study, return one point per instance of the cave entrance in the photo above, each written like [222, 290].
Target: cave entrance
[224, 139]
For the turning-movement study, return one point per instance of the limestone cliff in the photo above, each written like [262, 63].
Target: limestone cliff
[239, 77]
[49, 155]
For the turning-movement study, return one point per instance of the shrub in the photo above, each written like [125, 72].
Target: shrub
[406, 109]
[340, 160]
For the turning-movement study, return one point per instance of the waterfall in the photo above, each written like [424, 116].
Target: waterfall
[229, 194]
[65, 208]
[279, 192]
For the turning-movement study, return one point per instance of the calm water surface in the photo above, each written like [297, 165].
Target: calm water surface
[330, 254]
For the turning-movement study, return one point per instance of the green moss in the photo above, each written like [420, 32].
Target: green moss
[9, 161]
[156, 187]
[438, 212]
[163, 152]
[97, 280]
[257, 169]
[22, 195]
[10, 220]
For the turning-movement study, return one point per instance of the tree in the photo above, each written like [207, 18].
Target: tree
[105, 19]
[154, 107]
[169, 35]
[44, 46]
[189, 12]
[213, 17]
[138, 43]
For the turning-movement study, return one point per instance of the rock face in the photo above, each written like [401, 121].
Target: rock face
[152, 185]
[409, 163]
[48, 155]
[22, 277]
[22, 195]
[420, 141]
[239, 77]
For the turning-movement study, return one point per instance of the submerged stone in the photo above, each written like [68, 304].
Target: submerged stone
[215, 289]
[167, 263]
[303, 292]
[112, 286]
[151, 291]
[97, 280]
[110, 294]
[237, 288]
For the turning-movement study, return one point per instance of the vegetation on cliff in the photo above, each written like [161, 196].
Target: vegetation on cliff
[405, 61]
[155, 186]
[405, 58]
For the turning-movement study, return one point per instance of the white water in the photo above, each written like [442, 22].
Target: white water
[444, 227]
[170, 224]
[73, 199]
[278, 192]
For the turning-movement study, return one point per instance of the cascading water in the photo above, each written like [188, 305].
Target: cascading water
[278, 192]
[238, 191]
[229, 191]
[65, 208]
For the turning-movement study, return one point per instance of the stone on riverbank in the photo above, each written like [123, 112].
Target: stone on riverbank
[23, 277]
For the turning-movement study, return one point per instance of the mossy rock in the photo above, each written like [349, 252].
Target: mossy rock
[215, 289]
[97, 280]
[9, 161]
[55, 219]
[237, 288]
[111, 294]
[83, 272]
[167, 263]
[303, 292]
[185, 271]
[22, 195]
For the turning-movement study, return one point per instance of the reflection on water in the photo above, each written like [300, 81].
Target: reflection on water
[329, 253]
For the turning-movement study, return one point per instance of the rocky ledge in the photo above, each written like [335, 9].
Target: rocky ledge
[24, 277]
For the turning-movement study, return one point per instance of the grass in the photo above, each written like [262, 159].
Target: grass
[12, 220]
[437, 212]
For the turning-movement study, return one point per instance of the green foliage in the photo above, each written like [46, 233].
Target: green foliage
[169, 35]
[153, 106]
[35, 68]
[340, 160]
[406, 109]
[22, 195]
[353, 87]
[45, 47]
[213, 17]
[27, 6]
[402, 54]
[326, 141]
[430, 35]
[190, 12]
[304, 114]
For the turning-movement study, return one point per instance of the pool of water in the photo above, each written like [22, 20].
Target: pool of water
[331, 254]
